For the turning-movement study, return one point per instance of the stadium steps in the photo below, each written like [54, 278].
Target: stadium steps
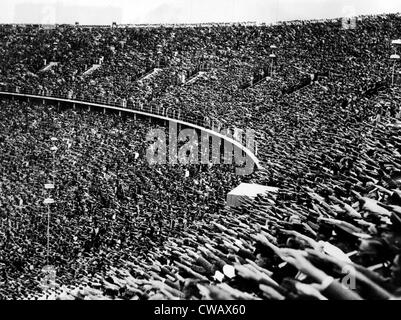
[256, 83]
[195, 78]
[91, 69]
[260, 81]
[49, 66]
[150, 74]
[31, 74]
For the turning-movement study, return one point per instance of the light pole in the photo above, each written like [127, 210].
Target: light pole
[49, 200]
[48, 270]
[272, 57]
[394, 57]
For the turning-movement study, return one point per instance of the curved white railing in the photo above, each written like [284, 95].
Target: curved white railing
[166, 114]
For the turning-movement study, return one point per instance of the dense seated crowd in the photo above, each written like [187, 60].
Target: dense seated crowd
[110, 203]
[132, 231]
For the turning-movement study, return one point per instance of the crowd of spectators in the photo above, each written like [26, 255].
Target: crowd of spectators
[110, 203]
[327, 122]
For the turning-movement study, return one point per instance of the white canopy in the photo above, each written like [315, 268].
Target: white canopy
[247, 190]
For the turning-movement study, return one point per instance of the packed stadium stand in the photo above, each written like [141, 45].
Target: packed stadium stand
[324, 101]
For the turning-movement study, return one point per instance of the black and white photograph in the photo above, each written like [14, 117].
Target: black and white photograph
[176, 150]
